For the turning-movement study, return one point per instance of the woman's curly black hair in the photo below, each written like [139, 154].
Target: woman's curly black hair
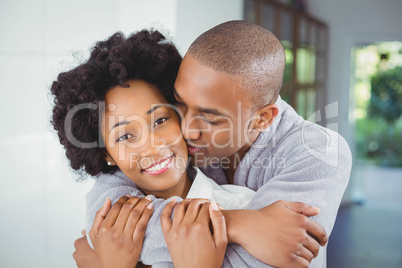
[145, 55]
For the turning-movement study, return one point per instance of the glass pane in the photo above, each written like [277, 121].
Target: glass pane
[311, 96]
[305, 65]
[303, 31]
[302, 65]
[249, 10]
[268, 17]
[301, 102]
[288, 75]
[311, 66]
[286, 25]
[321, 68]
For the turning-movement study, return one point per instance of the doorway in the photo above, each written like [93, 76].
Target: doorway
[376, 113]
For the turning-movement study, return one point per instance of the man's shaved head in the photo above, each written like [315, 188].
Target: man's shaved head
[246, 51]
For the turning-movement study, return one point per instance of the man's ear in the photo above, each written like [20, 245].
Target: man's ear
[266, 116]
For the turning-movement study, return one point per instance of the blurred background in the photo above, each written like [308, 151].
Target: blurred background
[344, 71]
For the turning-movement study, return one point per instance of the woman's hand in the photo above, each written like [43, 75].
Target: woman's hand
[118, 233]
[189, 238]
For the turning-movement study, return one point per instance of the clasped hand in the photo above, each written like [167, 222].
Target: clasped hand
[118, 233]
[281, 234]
[197, 235]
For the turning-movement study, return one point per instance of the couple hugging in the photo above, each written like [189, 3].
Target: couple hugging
[198, 161]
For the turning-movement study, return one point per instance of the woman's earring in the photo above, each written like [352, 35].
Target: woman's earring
[109, 163]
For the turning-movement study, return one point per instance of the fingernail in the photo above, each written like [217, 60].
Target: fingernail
[149, 206]
[174, 200]
[214, 206]
[104, 204]
[148, 197]
[318, 209]
[128, 195]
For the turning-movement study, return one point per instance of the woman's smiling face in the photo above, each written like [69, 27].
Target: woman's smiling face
[142, 136]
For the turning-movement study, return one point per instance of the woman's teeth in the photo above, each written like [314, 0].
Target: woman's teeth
[159, 166]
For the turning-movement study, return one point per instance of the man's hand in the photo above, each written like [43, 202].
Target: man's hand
[280, 234]
[84, 255]
[189, 238]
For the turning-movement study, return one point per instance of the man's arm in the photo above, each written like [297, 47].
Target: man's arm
[84, 255]
[278, 234]
[305, 178]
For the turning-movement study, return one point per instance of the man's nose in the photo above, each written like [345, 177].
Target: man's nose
[190, 127]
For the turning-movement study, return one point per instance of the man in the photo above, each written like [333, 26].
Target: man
[240, 131]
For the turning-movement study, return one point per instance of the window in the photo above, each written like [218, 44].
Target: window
[305, 40]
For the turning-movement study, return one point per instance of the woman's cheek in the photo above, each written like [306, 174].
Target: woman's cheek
[172, 136]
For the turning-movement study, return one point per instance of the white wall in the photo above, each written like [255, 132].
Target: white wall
[138, 14]
[350, 23]
[42, 207]
[195, 17]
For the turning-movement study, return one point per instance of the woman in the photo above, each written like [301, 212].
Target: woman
[122, 94]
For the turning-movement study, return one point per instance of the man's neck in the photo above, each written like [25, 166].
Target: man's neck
[229, 164]
[229, 174]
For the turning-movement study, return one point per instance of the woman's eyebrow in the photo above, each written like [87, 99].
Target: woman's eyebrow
[118, 124]
[126, 122]
[153, 109]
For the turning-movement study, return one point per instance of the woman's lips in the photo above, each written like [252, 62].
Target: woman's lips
[159, 167]
[193, 150]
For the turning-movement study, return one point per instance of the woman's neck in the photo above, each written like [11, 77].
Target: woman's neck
[181, 189]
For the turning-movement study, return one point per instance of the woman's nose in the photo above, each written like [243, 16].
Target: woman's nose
[153, 146]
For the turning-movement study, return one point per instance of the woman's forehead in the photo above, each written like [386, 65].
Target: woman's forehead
[138, 96]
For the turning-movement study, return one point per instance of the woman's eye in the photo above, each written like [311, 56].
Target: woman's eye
[125, 137]
[159, 121]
